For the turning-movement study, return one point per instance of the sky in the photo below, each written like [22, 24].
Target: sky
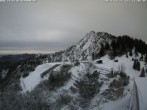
[45, 26]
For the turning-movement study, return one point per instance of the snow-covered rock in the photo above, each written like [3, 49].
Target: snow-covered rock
[83, 50]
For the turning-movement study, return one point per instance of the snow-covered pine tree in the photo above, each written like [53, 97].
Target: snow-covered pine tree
[142, 73]
[146, 58]
[130, 53]
[126, 55]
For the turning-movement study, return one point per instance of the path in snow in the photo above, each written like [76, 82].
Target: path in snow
[49, 70]
[142, 92]
[134, 100]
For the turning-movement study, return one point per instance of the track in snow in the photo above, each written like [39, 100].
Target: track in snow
[135, 100]
[49, 70]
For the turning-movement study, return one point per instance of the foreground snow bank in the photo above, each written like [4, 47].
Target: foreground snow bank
[142, 92]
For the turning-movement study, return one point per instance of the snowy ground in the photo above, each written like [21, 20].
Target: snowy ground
[34, 78]
[123, 103]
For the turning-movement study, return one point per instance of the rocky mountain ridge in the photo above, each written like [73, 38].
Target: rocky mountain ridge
[83, 50]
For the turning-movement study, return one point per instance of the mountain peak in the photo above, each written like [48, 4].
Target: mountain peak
[85, 48]
[90, 44]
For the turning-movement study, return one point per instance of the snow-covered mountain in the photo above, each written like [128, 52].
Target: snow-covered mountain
[83, 50]
[90, 44]
[83, 76]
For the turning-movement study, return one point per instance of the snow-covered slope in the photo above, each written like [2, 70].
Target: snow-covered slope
[28, 83]
[122, 103]
[34, 78]
[83, 51]
[91, 44]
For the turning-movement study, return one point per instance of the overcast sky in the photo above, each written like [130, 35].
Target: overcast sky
[52, 25]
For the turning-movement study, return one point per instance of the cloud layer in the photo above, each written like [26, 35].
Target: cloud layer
[56, 24]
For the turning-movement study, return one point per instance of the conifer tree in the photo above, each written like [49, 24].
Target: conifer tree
[142, 73]
[134, 65]
[113, 45]
[141, 58]
[93, 56]
[107, 47]
[0, 78]
[138, 66]
[136, 52]
[126, 55]
[130, 53]
[101, 52]
[146, 58]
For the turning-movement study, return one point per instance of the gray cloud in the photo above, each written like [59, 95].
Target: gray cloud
[57, 24]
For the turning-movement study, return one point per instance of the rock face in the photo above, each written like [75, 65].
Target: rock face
[83, 50]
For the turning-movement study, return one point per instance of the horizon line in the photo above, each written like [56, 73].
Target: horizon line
[5, 52]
